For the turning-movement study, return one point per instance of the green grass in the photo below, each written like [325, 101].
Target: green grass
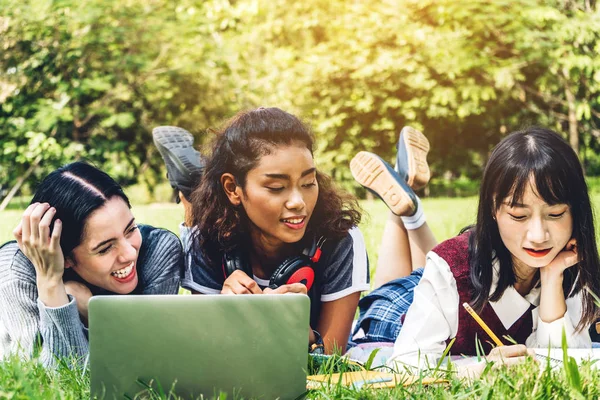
[27, 380]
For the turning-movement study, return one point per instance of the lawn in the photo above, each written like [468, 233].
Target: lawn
[25, 379]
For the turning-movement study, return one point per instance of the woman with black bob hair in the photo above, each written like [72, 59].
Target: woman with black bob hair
[534, 159]
[525, 267]
[77, 239]
[262, 207]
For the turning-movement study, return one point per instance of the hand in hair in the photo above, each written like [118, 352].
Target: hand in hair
[44, 252]
[240, 283]
[291, 288]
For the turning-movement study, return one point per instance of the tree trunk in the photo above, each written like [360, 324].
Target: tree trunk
[19, 183]
[573, 124]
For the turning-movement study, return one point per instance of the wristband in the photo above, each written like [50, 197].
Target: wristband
[317, 347]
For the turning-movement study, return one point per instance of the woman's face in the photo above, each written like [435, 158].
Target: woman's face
[107, 255]
[533, 231]
[280, 195]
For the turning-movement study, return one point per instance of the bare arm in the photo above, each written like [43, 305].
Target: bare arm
[335, 322]
[552, 298]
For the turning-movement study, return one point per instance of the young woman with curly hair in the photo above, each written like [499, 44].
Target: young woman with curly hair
[262, 204]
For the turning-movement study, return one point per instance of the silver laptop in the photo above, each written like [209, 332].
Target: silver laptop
[251, 346]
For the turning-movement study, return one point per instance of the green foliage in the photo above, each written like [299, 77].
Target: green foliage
[90, 79]
[465, 73]
[461, 186]
[142, 194]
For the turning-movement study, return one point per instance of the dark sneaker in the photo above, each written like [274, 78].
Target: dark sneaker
[411, 158]
[184, 163]
[379, 177]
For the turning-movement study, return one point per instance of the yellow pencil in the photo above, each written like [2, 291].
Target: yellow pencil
[486, 328]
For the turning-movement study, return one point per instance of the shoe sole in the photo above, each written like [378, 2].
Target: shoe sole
[417, 147]
[175, 145]
[371, 172]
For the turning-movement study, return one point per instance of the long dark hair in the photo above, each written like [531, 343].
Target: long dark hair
[238, 148]
[76, 190]
[559, 180]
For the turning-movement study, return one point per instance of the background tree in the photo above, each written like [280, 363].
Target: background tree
[90, 79]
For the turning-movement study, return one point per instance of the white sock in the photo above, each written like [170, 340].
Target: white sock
[415, 221]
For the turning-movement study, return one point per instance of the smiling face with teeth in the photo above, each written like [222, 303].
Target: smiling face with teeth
[107, 255]
[279, 195]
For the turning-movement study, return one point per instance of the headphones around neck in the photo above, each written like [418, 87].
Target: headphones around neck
[295, 269]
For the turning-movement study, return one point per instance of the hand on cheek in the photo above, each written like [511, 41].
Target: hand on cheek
[552, 298]
[563, 260]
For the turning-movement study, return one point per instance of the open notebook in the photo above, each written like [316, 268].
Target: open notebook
[555, 356]
[383, 379]
[372, 379]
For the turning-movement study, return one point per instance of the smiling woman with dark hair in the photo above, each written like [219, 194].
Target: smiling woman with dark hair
[77, 239]
[266, 220]
[524, 266]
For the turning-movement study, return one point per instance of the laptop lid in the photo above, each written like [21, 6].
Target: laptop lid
[245, 345]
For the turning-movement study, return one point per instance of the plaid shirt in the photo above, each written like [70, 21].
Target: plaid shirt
[382, 311]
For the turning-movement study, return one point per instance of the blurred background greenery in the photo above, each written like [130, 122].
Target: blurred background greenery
[89, 79]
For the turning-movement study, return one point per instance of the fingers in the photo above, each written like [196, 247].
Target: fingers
[291, 288]
[563, 260]
[298, 288]
[18, 234]
[44, 225]
[34, 221]
[572, 247]
[510, 355]
[43, 249]
[250, 285]
[571, 260]
[25, 227]
[240, 283]
[34, 228]
[55, 238]
[569, 257]
[235, 288]
[18, 231]
[514, 350]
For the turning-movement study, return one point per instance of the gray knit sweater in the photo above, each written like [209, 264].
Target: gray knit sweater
[26, 321]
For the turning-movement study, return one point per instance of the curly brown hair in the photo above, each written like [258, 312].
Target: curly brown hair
[222, 227]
